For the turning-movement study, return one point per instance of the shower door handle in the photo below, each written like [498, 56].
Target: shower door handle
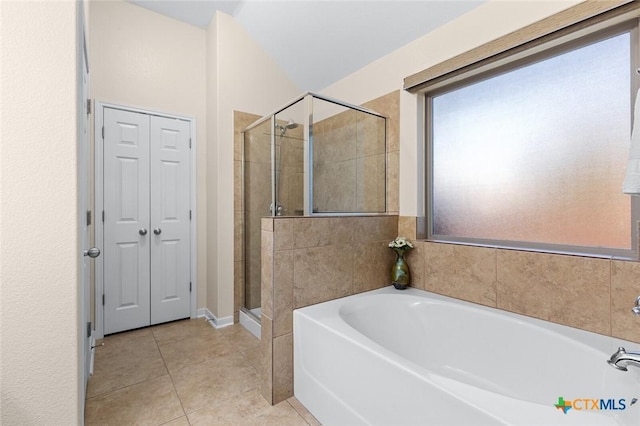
[157, 231]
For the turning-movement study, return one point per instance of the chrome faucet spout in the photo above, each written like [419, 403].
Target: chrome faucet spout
[636, 307]
[621, 359]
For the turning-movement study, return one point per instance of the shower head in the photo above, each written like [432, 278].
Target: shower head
[290, 125]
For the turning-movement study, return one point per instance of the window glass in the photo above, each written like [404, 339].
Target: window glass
[537, 154]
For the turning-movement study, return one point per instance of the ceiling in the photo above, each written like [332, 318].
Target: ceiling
[318, 42]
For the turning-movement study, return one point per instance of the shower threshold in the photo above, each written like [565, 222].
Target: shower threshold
[250, 319]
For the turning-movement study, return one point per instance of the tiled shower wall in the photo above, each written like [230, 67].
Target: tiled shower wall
[387, 105]
[588, 293]
[349, 163]
[240, 121]
[309, 260]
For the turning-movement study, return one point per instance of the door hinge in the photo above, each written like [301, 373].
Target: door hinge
[89, 329]
[102, 299]
[102, 216]
[88, 217]
[189, 143]
[88, 106]
[189, 214]
[102, 132]
[189, 287]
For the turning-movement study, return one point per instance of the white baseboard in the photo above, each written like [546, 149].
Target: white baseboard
[213, 320]
[250, 324]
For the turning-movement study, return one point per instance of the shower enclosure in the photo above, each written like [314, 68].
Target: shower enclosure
[315, 156]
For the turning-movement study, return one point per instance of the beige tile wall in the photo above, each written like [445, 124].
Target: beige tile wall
[309, 260]
[388, 105]
[349, 160]
[240, 121]
[592, 294]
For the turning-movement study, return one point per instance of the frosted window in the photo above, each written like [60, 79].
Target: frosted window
[537, 154]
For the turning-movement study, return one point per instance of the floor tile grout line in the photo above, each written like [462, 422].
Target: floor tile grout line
[87, 398]
[125, 387]
[298, 412]
[164, 361]
[235, 342]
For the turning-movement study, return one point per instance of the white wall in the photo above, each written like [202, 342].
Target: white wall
[245, 79]
[487, 22]
[141, 58]
[40, 369]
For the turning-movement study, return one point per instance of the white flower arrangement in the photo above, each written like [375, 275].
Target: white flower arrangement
[401, 243]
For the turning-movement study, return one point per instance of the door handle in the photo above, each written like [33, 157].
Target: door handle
[142, 231]
[93, 252]
[157, 231]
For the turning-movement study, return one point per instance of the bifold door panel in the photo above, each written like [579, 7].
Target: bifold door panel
[170, 249]
[146, 220]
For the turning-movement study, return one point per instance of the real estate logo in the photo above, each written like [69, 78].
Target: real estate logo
[590, 404]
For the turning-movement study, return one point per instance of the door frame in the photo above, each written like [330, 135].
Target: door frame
[99, 204]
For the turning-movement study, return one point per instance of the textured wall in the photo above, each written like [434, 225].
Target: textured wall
[40, 369]
[244, 79]
[141, 58]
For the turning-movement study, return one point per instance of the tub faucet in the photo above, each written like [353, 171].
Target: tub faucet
[621, 359]
[636, 307]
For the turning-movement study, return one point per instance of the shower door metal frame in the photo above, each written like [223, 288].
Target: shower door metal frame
[308, 153]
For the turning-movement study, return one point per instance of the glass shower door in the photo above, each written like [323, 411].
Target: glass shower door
[257, 198]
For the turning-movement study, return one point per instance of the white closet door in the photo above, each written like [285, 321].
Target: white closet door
[170, 219]
[126, 201]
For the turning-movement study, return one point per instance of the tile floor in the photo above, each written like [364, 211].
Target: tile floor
[184, 373]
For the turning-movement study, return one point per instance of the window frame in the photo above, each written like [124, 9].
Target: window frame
[573, 41]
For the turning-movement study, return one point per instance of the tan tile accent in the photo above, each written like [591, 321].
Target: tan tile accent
[389, 105]
[240, 339]
[238, 286]
[416, 261]
[150, 402]
[374, 228]
[322, 273]
[237, 186]
[283, 229]
[372, 266]
[463, 272]
[407, 227]
[282, 367]
[200, 385]
[124, 360]
[266, 258]
[556, 288]
[240, 121]
[223, 384]
[323, 231]
[248, 408]
[302, 410]
[238, 242]
[267, 224]
[181, 421]
[283, 291]
[393, 182]
[266, 344]
[193, 350]
[625, 287]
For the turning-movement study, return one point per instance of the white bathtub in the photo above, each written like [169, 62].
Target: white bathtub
[390, 357]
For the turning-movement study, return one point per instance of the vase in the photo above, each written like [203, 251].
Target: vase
[400, 275]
